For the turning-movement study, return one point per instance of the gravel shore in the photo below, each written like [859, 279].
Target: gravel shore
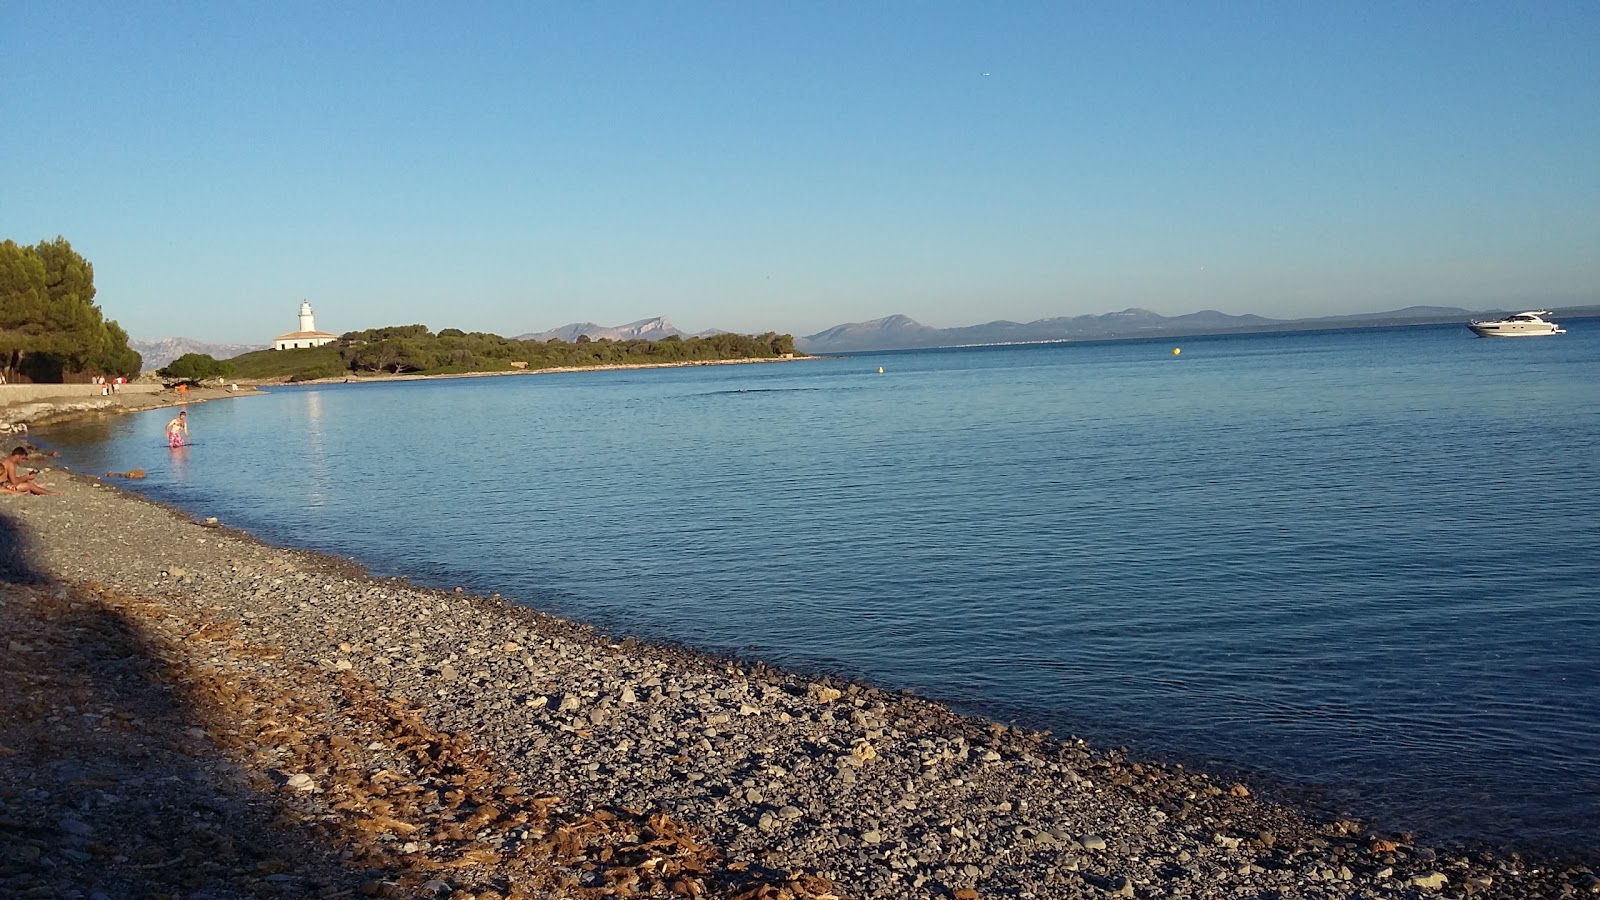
[191, 713]
[16, 417]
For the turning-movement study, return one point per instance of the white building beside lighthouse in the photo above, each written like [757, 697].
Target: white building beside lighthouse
[307, 336]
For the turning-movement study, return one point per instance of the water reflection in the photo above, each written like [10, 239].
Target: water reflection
[178, 464]
[318, 475]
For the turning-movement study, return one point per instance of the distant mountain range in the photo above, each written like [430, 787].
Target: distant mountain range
[902, 333]
[156, 354]
[643, 330]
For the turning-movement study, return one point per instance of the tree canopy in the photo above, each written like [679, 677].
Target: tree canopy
[50, 327]
[413, 348]
[196, 367]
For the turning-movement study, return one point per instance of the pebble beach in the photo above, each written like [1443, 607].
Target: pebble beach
[190, 712]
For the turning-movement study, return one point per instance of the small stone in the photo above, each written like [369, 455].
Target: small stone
[76, 827]
[301, 782]
[1092, 842]
[824, 694]
[791, 812]
[569, 703]
[448, 673]
[1432, 881]
[872, 837]
[1238, 790]
[343, 665]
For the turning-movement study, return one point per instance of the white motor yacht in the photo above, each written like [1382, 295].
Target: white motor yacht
[1522, 324]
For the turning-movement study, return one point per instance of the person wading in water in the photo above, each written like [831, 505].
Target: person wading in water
[178, 430]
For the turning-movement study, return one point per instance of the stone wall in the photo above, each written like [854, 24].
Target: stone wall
[29, 393]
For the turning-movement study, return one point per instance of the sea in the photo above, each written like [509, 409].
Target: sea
[1358, 568]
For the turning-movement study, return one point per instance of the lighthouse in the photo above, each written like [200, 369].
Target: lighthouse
[306, 336]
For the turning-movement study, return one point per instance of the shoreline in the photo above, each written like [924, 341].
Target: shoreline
[554, 370]
[631, 766]
[55, 410]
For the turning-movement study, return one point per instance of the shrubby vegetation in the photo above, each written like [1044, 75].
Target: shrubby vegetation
[196, 367]
[402, 349]
[50, 327]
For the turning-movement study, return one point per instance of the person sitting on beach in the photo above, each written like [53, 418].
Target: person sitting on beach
[13, 483]
[178, 430]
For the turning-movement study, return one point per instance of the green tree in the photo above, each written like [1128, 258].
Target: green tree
[113, 356]
[24, 296]
[49, 324]
[196, 367]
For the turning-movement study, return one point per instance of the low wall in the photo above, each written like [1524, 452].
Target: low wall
[28, 393]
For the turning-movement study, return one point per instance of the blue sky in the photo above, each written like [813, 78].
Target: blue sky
[791, 166]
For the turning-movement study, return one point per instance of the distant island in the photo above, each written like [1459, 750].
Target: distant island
[902, 333]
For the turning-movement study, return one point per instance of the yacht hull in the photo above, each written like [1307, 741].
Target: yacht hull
[1523, 324]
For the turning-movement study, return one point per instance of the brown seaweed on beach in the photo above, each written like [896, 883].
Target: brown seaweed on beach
[365, 771]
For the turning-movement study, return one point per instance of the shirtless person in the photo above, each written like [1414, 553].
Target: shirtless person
[178, 430]
[13, 483]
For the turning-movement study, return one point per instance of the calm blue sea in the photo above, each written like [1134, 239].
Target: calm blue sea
[1361, 565]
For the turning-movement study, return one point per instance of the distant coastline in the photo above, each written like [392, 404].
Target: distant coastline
[900, 332]
[606, 367]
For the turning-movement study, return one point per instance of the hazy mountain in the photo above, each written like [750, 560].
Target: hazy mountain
[158, 353]
[1396, 317]
[645, 329]
[893, 332]
[900, 332]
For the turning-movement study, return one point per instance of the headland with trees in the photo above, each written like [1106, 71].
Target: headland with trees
[51, 331]
[414, 349]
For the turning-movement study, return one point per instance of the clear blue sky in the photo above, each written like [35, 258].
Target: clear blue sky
[794, 165]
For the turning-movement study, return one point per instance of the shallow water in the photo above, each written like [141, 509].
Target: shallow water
[1362, 564]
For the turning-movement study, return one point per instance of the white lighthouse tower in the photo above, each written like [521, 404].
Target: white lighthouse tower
[306, 336]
